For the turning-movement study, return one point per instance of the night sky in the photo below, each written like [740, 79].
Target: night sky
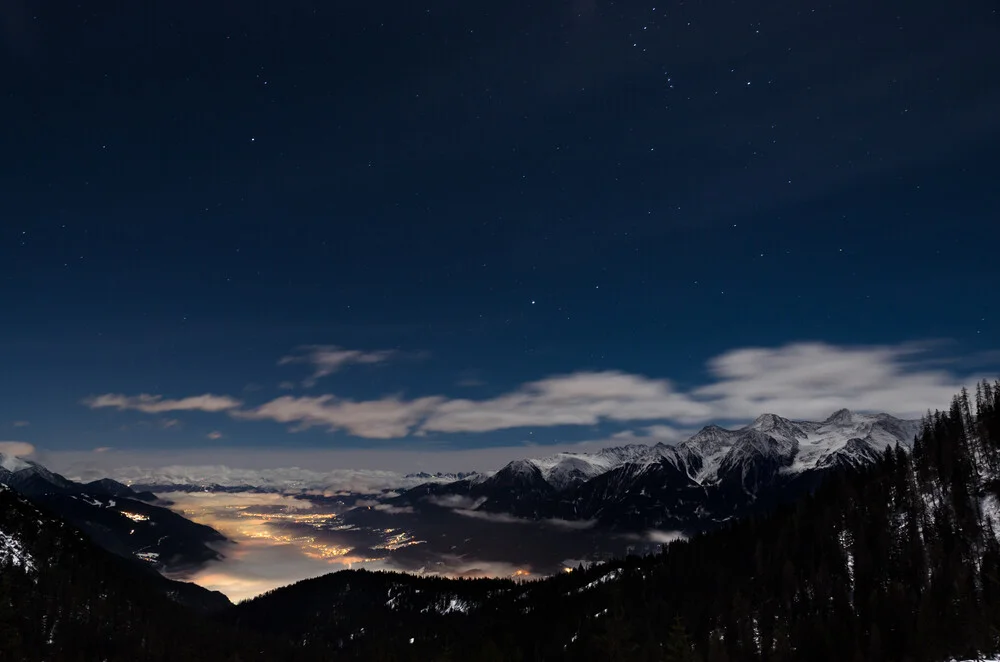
[230, 226]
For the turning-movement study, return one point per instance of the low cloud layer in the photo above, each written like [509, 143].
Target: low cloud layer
[317, 470]
[800, 380]
[506, 518]
[152, 468]
[268, 554]
[664, 537]
[455, 501]
[262, 558]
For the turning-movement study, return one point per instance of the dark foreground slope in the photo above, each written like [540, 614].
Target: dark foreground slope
[63, 598]
[116, 517]
[896, 562]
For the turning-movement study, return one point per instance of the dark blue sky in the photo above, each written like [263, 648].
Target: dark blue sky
[470, 197]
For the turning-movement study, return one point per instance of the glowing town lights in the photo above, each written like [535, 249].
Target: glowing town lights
[320, 551]
[135, 517]
[398, 541]
[297, 518]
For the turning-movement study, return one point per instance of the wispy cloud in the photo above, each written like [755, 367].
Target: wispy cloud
[664, 537]
[215, 435]
[21, 424]
[506, 518]
[583, 398]
[387, 418]
[157, 404]
[16, 448]
[328, 359]
[394, 510]
[799, 380]
[811, 380]
[655, 536]
[455, 501]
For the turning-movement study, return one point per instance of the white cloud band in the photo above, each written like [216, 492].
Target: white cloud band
[157, 404]
[799, 380]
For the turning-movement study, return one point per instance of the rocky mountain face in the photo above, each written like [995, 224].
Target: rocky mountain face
[715, 475]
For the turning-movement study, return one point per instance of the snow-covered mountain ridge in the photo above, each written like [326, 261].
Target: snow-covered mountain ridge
[715, 475]
[707, 457]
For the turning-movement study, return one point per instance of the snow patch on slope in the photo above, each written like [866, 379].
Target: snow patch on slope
[565, 469]
[12, 551]
[614, 574]
[990, 508]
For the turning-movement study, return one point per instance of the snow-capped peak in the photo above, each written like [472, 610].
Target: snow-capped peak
[765, 421]
[564, 469]
[710, 441]
[840, 417]
[777, 426]
[13, 463]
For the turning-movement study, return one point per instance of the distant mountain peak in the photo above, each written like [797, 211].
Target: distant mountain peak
[840, 417]
[710, 440]
[767, 422]
[12, 463]
[518, 472]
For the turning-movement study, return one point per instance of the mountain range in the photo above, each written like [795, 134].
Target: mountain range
[715, 475]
